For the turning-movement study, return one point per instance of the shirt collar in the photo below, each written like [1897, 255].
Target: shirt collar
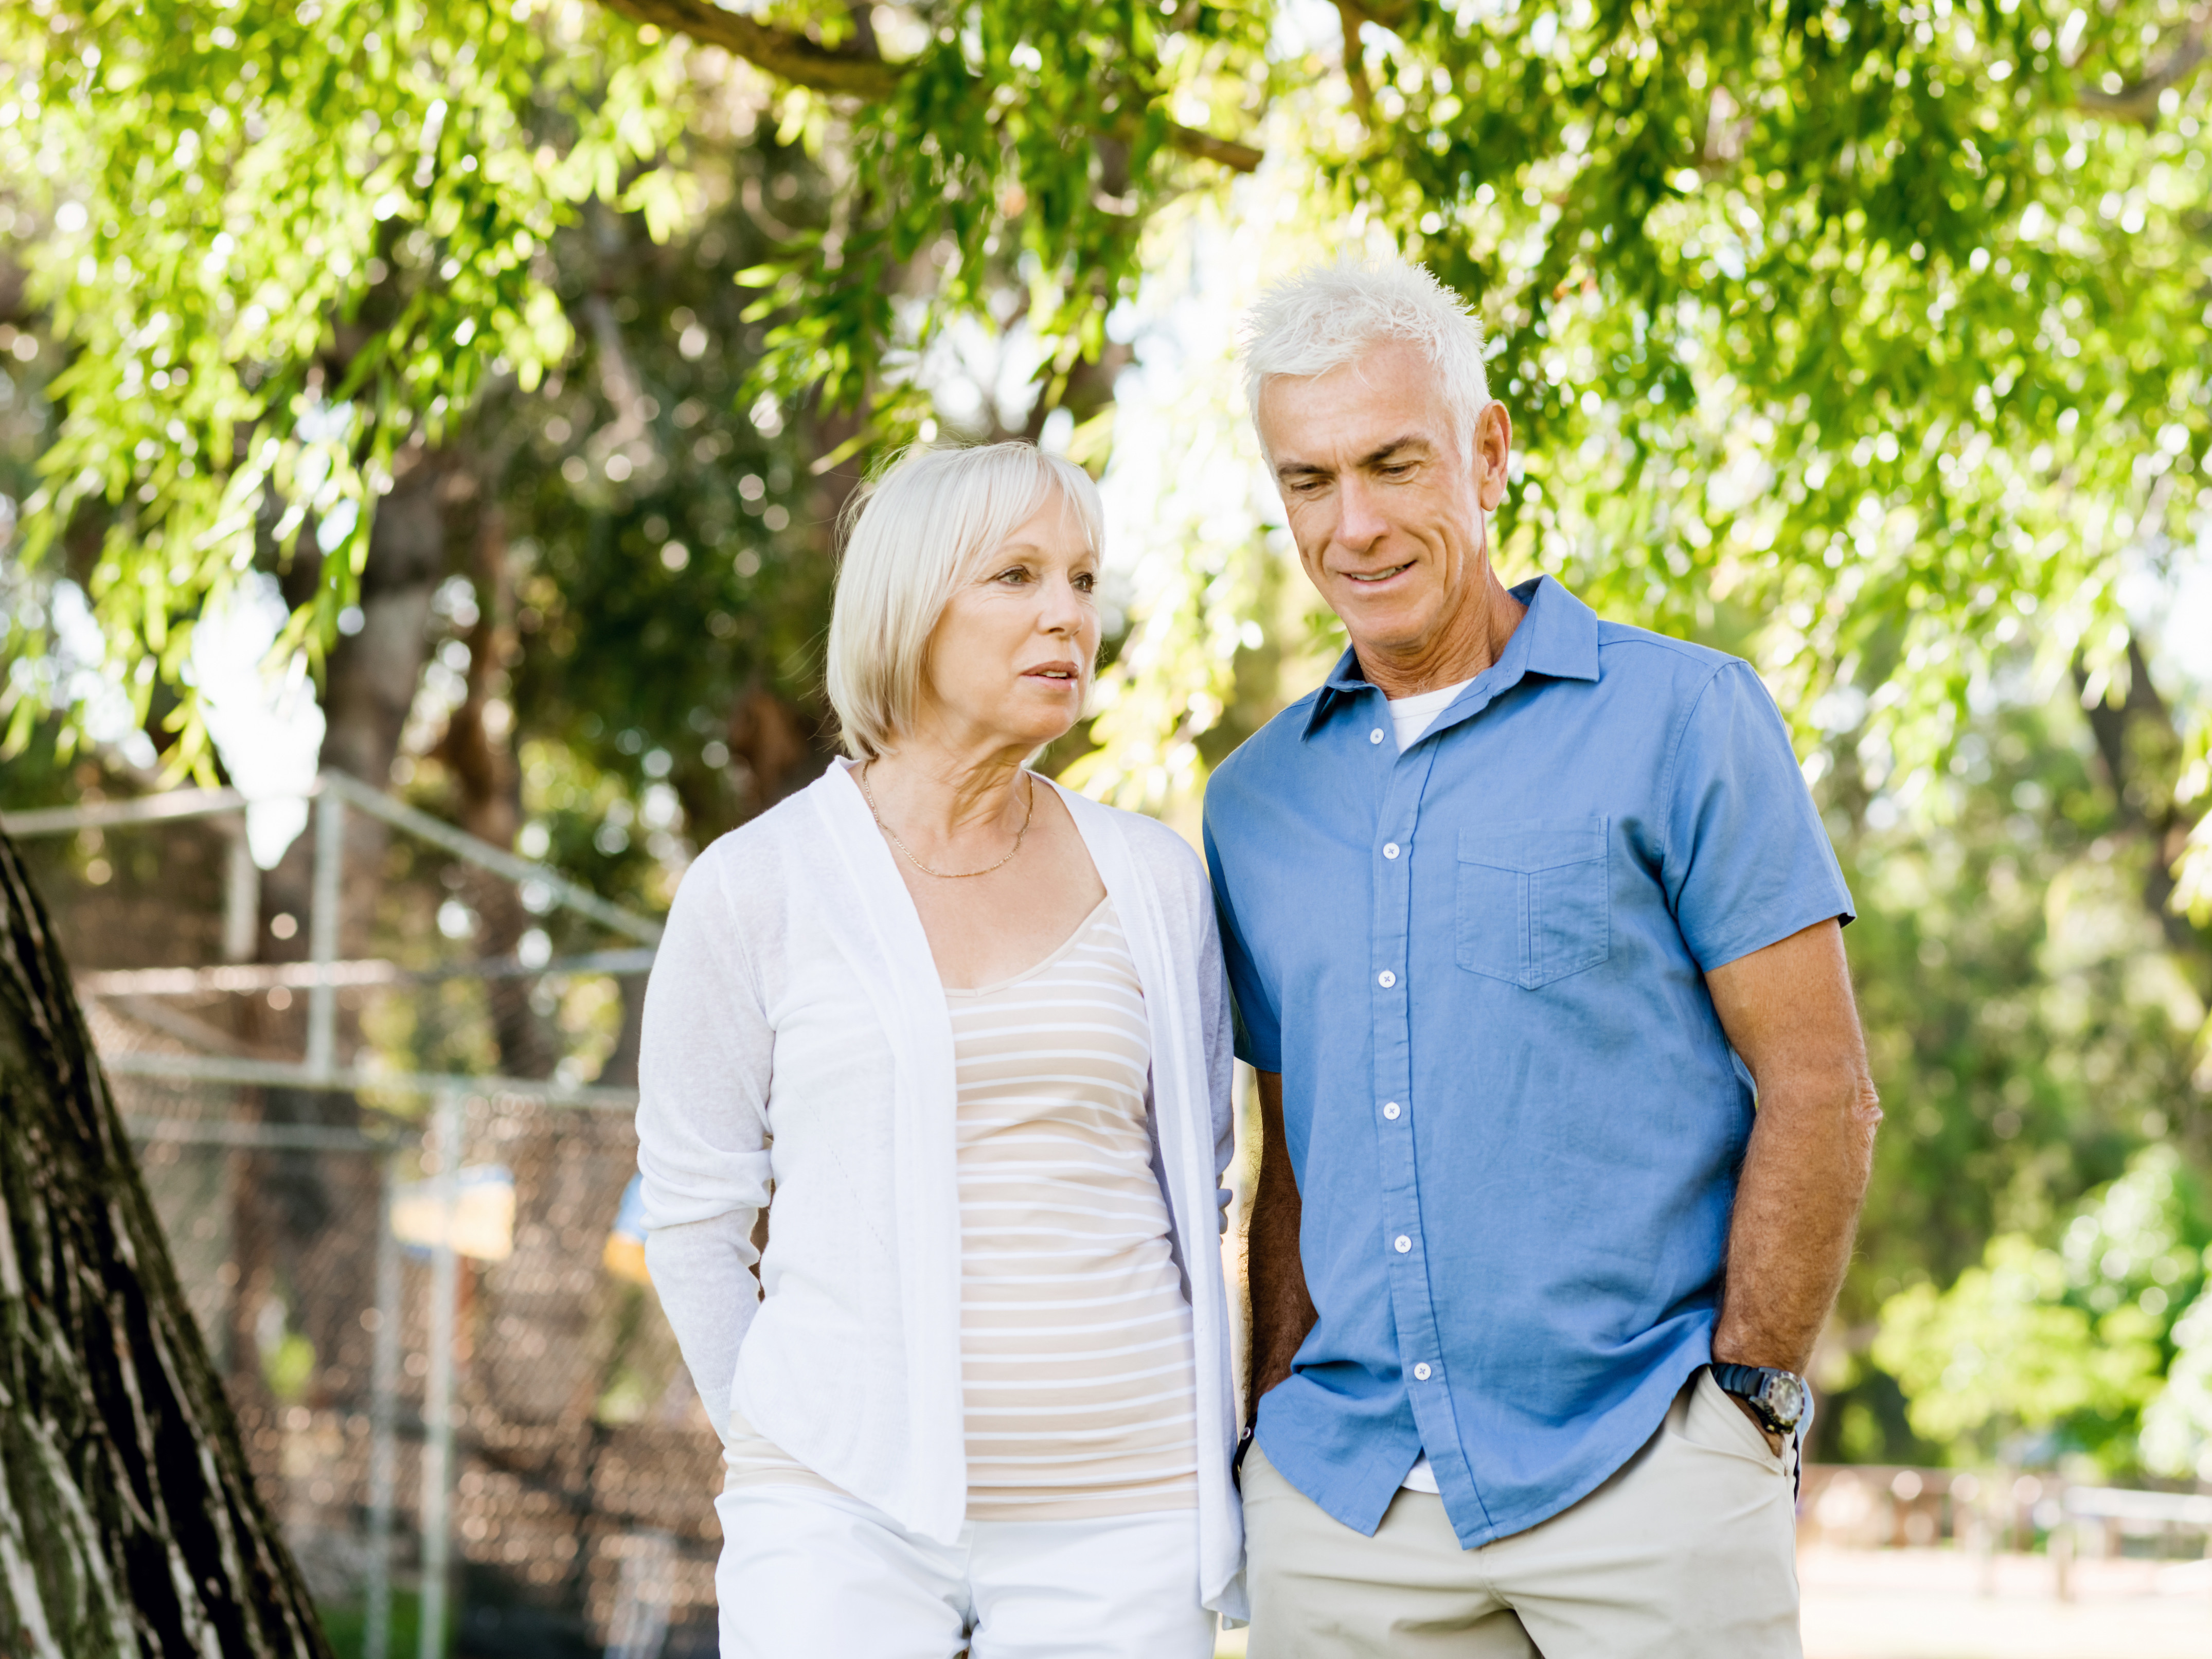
[1558, 638]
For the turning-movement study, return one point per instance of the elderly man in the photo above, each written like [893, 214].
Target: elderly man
[1524, 911]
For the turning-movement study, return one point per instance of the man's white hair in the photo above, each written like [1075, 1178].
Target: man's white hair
[919, 529]
[1329, 315]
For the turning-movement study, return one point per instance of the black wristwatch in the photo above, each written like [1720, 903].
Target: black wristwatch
[1777, 1398]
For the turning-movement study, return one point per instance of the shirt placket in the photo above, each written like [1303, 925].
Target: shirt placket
[1391, 965]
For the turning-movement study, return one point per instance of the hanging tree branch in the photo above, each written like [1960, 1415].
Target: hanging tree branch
[792, 56]
[2138, 99]
[782, 52]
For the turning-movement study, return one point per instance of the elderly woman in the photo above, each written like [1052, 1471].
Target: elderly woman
[971, 1030]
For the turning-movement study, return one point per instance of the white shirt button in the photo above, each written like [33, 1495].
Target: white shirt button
[1386, 978]
[1421, 1372]
[1376, 736]
[1390, 1110]
[1389, 849]
[1403, 1243]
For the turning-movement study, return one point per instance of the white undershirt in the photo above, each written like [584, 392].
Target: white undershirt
[1414, 715]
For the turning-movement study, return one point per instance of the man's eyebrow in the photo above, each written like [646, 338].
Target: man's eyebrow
[1410, 440]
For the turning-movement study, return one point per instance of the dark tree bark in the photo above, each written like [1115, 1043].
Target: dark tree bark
[479, 749]
[367, 694]
[2140, 751]
[129, 1522]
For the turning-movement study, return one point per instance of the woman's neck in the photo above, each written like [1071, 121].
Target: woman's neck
[947, 797]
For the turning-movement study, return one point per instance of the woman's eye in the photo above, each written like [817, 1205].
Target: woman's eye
[1086, 583]
[1015, 575]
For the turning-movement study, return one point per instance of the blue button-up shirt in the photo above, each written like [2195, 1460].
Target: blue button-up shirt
[1513, 1114]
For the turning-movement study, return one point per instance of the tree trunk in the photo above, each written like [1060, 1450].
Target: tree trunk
[303, 1221]
[2140, 751]
[129, 1522]
[479, 749]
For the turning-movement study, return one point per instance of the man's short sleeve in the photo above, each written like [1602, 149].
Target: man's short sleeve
[1748, 861]
[1258, 1023]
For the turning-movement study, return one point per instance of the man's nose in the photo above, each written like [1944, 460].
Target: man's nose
[1359, 520]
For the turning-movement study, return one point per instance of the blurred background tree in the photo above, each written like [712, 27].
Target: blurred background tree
[515, 361]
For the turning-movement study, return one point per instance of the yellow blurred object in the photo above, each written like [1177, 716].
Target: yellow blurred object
[481, 1208]
[624, 1255]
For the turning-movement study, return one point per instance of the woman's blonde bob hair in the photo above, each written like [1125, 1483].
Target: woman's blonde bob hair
[918, 531]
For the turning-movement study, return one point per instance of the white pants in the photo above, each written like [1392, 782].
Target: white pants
[1687, 1551]
[817, 1575]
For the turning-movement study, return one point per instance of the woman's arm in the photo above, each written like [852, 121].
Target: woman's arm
[1217, 1026]
[702, 1130]
[702, 1272]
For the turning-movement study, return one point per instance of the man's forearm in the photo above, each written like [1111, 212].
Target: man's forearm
[1796, 1212]
[1282, 1312]
[1788, 1010]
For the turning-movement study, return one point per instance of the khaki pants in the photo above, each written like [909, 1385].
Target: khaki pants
[1688, 1550]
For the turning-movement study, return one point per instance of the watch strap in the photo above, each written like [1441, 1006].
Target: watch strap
[1748, 1383]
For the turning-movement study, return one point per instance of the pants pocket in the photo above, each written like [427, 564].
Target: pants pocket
[1536, 899]
[1707, 1415]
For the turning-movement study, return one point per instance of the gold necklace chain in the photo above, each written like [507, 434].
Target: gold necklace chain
[861, 777]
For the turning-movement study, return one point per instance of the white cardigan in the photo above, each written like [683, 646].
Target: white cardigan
[796, 1029]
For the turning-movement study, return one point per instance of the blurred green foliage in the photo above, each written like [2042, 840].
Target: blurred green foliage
[2035, 1227]
[1887, 317]
[2027, 1032]
[2177, 1433]
[2073, 1341]
[346, 1626]
[285, 237]
[290, 1365]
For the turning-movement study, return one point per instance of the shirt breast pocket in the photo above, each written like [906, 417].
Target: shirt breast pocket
[1535, 902]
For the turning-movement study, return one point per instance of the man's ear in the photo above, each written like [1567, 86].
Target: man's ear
[1493, 445]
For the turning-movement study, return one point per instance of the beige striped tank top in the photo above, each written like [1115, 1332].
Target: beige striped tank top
[1075, 1331]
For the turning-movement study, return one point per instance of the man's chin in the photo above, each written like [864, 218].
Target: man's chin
[1384, 624]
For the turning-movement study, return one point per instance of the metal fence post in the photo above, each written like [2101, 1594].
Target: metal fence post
[384, 1388]
[241, 897]
[643, 1589]
[438, 1393]
[322, 932]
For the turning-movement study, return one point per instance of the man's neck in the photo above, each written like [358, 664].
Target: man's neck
[1470, 642]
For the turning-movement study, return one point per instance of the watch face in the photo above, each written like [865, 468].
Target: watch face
[1784, 1396]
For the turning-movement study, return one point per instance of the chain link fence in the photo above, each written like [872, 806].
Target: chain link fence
[451, 1378]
